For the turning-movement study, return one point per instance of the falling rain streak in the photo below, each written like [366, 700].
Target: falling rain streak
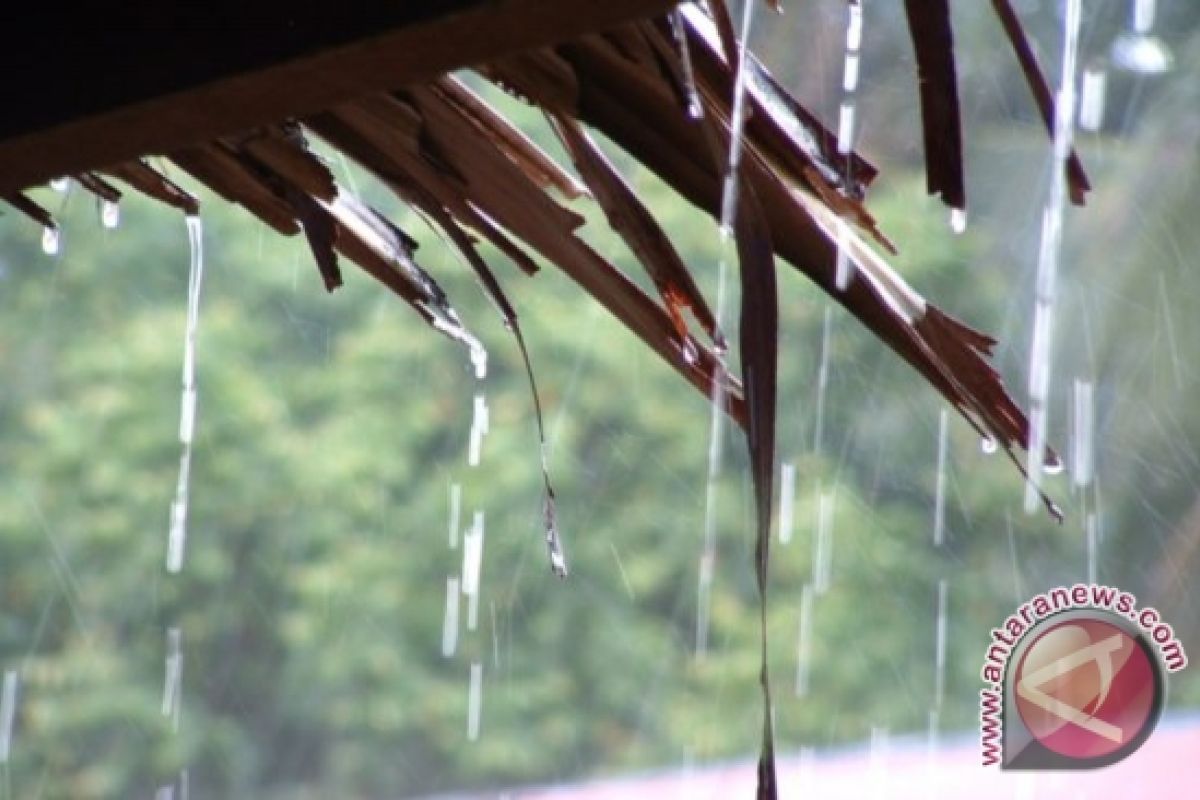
[694, 107]
[1048, 256]
[939, 645]
[8, 714]
[1143, 15]
[1091, 99]
[822, 379]
[474, 700]
[845, 132]
[51, 240]
[455, 513]
[173, 678]
[939, 499]
[1091, 524]
[177, 533]
[719, 393]
[958, 220]
[110, 214]
[822, 568]
[787, 501]
[479, 428]
[804, 647]
[1083, 433]
[472, 568]
[450, 619]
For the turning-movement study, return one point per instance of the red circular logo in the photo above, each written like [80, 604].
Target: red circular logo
[1086, 688]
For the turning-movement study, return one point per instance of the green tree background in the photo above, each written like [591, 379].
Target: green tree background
[332, 427]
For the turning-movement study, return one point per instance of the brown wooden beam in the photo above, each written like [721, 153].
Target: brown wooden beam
[162, 80]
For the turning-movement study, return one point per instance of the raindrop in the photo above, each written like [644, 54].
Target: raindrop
[939, 503]
[988, 445]
[1145, 55]
[804, 648]
[60, 184]
[823, 544]
[958, 220]
[474, 700]
[737, 123]
[110, 214]
[8, 713]
[1143, 15]
[854, 28]
[822, 379]
[173, 675]
[694, 107]
[472, 556]
[479, 428]
[455, 512]
[690, 354]
[1091, 534]
[718, 397]
[554, 548]
[1083, 424]
[51, 240]
[177, 531]
[939, 690]
[187, 415]
[1091, 99]
[846, 267]
[787, 501]
[450, 619]
[845, 134]
[850, 73]
[1040, 459]
[479, 358]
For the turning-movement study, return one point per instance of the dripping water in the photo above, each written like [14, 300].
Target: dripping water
[1048, 257]
[804, 645]
[1091, 99]
[822, 569]
[958, 220]
[787, 501]
[455, 513]
[472, 568]
[51, 240]
[110, 214]
[847, 113]
[474, 700]
[173, 677]
[939, 652]
[8, 714]
[695, 108]
[479, 428]
[1083, 431]
[178, 529]
[1091, 526]
[719, 394]
[450, 619]
[177, 532]
[939, 501]
[822, 380]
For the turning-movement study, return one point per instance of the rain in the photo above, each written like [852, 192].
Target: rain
[363, 586]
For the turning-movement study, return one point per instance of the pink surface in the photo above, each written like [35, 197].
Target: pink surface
[1168, 765]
